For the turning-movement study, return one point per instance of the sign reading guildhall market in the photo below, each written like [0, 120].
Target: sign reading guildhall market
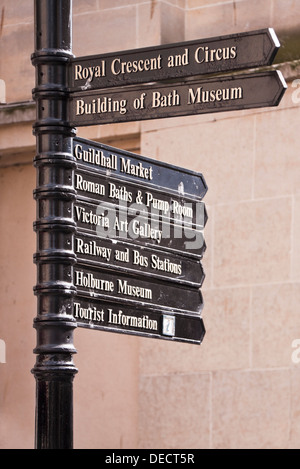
[120, 236]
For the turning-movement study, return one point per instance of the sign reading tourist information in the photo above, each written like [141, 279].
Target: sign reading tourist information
[139, 244]
[217, 94]
[186, 59]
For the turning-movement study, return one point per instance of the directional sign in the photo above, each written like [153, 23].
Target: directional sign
[186, 59]
[138, 169]
[150, 293]
[114, 223]
[126, 257]
[219, 94]
[129, 195]
[102, 315]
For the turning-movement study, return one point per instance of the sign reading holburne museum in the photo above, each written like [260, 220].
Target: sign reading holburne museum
[186, 59]
[219, 94]
[151, 293]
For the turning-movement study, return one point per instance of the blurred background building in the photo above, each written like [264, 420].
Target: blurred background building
[241, 387]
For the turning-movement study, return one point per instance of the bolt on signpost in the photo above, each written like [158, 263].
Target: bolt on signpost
[120, 236]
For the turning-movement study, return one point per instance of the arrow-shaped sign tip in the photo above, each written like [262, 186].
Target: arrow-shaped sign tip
[274, 37]
[282, 85]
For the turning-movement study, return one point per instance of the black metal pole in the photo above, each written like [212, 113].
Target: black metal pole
[55, 227]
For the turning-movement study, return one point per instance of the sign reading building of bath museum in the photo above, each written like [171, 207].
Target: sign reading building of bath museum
[139, 244]
[246, 91]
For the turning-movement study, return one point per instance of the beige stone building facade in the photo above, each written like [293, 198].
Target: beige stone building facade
[241, 387]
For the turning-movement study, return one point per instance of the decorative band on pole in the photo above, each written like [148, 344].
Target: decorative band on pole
[54, 226]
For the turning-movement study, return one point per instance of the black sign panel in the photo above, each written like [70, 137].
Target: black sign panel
[186, 59]
[107, 190]
[102, 315]
[113, 223]
[148, 292]
[138, 169]
[105, 253]
[220, 94]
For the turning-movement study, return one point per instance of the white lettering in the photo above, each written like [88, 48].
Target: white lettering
[119, 193]
[89, 281]
[137, 170]
[158, 204]
[96, 157]
[89, 73]
[143, 65]
[122, 256]
[91, 218]
[179, 60]
[205, 54]
[131, 290]
[182, 210]
[139, 259]
[91, 248]
[171, 458]
[204, 96]
[165, 265]
[101, 106]
[122, 319]
[90, 314]
[88, 186]
[160, 100]
[145, 231]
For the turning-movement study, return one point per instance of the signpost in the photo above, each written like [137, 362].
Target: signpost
[120, 236]
[55, 228]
